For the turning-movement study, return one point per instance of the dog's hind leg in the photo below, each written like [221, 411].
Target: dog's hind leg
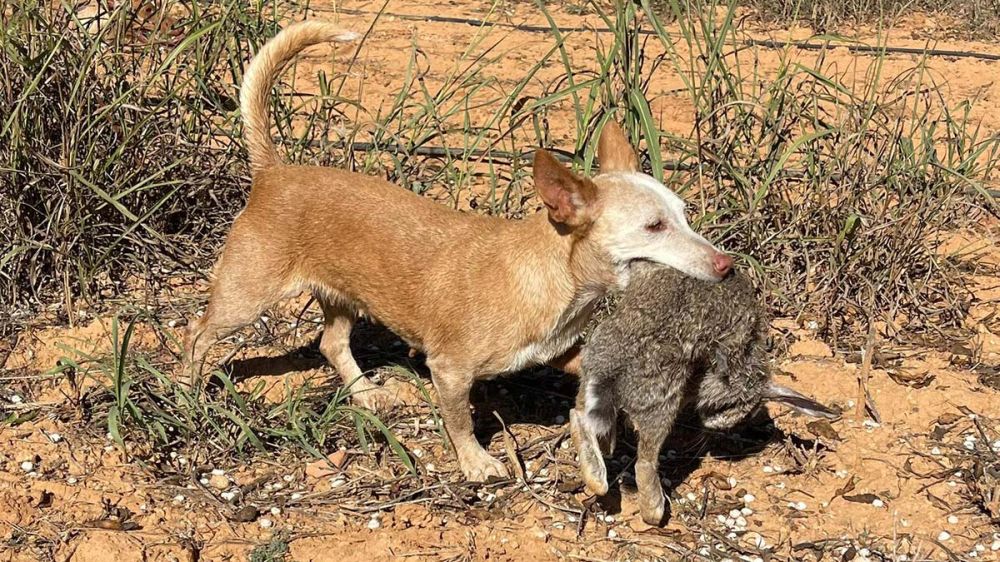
[247, 282]
[335, 345]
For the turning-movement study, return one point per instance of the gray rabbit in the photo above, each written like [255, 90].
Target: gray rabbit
[672, 342]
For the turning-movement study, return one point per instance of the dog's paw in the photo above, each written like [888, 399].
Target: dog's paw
[481, 467]
[376, 399]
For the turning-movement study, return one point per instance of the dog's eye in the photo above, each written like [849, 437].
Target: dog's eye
[656, 226]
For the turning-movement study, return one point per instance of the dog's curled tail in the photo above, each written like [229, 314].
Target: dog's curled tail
[255, 94]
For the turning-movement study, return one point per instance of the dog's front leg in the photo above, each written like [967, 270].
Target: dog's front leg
[453, 386]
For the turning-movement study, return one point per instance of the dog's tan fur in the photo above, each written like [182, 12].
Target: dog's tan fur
[478, 295]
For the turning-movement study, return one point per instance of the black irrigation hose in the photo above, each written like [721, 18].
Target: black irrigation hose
[485, 155]
[766, 43]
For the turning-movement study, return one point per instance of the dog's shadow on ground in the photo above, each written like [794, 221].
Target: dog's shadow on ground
[540, 396]
[373, 347]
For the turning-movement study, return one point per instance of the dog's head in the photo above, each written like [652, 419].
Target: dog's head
[627, 214]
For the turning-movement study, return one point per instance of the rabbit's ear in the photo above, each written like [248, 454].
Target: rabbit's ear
[798, 402]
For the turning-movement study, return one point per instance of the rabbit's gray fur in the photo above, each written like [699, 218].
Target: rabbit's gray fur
[669, 342]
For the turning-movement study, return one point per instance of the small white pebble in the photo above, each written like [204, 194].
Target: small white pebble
[564, 445]
[952, 483]
[296, 496]
[878, 503]
[612, 534]
[995, 546]
[32, 474]
[277, 486]
[798, 506]
[732, 481]
[973, 554]
[71, 480]
[430, 467]
[179, 498]
[182, 460]
[865, 553]
[746, 511]
[851, 403]
[265, 523]
[734, 513]
[228, 496]
[203, 481]
[768, 469]
[953, 519]
[721, 518]
[691, 497]
[288, 478]
[15, 399]
[741, 522]
[171, 323]
[731, 535]
[609, 519]
[944, 535]
[904, 522]
[276, 511]
[173, 454]
[218, 472]
[980, 548]
[337, 482]
[418, 453]
[27, 466]
[55, 437]
[935, 451]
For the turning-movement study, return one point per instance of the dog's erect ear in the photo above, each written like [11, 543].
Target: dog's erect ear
[798, 402]
[567, 196]
[614, 152]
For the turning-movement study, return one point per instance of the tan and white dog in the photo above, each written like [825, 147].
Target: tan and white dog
[479, 295]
